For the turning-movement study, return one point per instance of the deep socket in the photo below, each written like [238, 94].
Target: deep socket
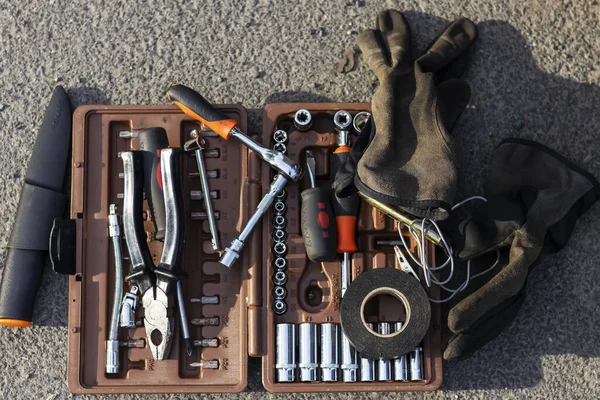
[384, 372]
[286, 352]
[329, 352]
[367, 366]
[307, 343]
[400, 364]
[416, 372]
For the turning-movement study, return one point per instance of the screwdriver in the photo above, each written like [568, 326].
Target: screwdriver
[318, 230]
[346, 214]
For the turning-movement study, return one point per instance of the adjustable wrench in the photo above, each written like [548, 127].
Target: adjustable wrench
[195, 106]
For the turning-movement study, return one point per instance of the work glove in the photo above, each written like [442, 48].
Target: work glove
[534, 197]
[406, 155]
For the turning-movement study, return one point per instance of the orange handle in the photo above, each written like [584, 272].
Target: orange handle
[344, 208]
[196, 106]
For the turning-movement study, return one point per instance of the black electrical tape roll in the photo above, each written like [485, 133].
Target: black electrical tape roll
[400, 285]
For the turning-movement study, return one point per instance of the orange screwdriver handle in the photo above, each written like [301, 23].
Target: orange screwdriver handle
[196, 106]
[344, 208]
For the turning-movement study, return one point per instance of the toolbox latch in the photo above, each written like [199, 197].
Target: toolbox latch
[62, 246]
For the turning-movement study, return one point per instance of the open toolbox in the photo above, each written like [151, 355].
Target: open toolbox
[245, 319]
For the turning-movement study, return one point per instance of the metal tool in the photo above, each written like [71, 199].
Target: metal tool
[302, 120]
[201, 215]
[367, 366]
[211, 153]
[279, 278]
[279, 207]
[197, 144]
[205, 300]
[156, 283]
[384, 372]
[184, 321]
[133, 343]
[210, 174]
[128, 308]
[416, 372]
[307, 343]
[346, 214]
[279, 222]
[316, 218]
[398, 215]
[112, 344]
[360, 119]
[280, 147]
[279, 292]
[279, 263]
[199, 195]
[279, 235]
[285, 362]
[400, 364]
[204, 343]
[212, 364]
[329, 352]
[197, 107]
[279, 249]
[280, 136]
[279, 307]
[204, 321]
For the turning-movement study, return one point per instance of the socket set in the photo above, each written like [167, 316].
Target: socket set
[273, 303]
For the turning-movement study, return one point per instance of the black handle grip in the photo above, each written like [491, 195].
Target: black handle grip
[197, 107]
[318, 225]
[152, 140]
[343, 206]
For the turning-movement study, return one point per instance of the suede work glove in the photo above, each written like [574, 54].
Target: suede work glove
[407, 157]
[534, 198]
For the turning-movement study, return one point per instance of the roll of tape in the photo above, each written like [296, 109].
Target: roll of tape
[405, 288]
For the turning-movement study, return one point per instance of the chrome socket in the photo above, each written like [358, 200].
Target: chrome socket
[280, 136]
[416, 372]
[281, 195]
[307, 343]
[279, 307]
[303, 120]
[279, 264]
[279, 249]
[279, 222]
[280, 147]
[279, 207]
[400, 363]
[279, 278]
[360, 119]
[128, 306]
[279, 293]
[384, 372]
[285, 358]
[279, 235]
[367, 366]
[329, 352]
[349, 360]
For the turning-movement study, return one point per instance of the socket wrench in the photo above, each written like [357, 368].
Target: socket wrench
[285, 363]
[307, 343]
[195, 106]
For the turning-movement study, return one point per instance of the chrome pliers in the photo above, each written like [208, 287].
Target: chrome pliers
[156, 283]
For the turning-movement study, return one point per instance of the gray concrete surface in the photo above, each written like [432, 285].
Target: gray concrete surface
[535, 74]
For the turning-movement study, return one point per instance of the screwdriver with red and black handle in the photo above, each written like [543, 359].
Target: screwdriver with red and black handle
[346, 215]
[316, 218]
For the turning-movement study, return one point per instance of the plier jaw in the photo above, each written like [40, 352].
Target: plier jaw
[159, 327]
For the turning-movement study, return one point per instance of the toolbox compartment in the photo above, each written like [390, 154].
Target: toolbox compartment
[247, 323]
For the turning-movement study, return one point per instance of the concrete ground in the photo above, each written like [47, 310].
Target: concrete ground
[535, 74]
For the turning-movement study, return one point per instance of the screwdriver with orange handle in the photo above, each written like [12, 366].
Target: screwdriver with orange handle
[346, 215]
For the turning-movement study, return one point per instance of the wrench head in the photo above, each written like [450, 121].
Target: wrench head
[159, 327]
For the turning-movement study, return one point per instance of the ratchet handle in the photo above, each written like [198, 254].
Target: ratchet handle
[152, 141]
[197, 107]
[344, 208]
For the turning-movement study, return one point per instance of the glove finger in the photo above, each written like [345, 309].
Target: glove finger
[371, 45]
[449, 46]
[463, 345]
[396, 31]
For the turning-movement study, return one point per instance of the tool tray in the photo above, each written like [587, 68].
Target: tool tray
[246, 319]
